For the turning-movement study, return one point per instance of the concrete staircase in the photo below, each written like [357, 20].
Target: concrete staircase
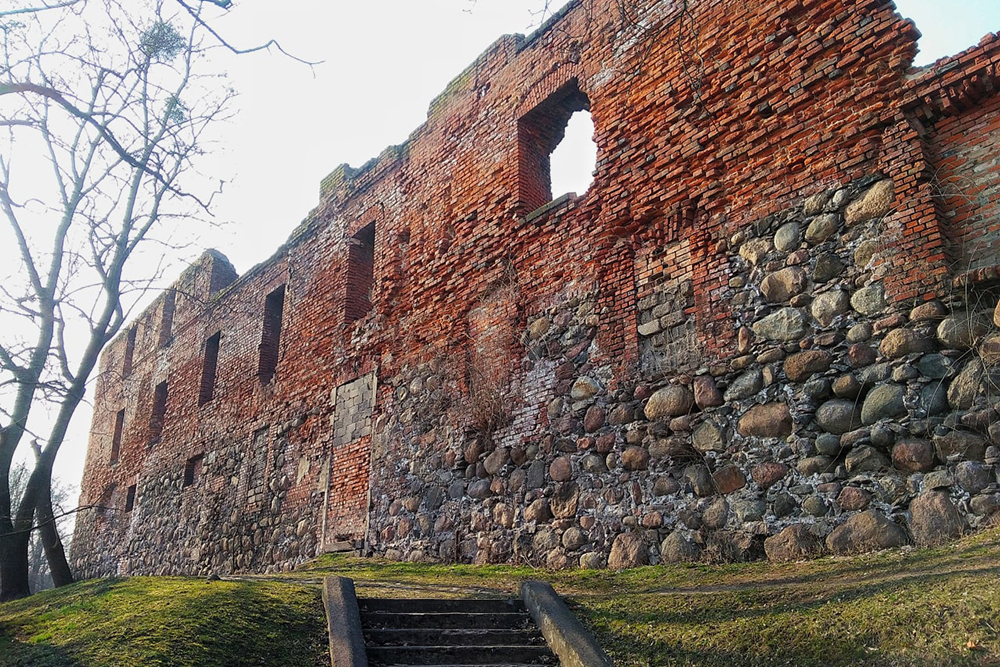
[495, 633]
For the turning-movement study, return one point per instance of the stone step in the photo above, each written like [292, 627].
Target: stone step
[386, 656]
[452, 637]
[456, 620]
[439, 605]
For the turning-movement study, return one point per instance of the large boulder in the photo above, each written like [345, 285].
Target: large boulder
[869, 300]
[974, 476]
[729, 479]
[538, 511]
[788, 237]
[900, 342]
[782, 285]
[800, 366]
[679, 549]
[672, 401]
[627, 551]
[822, 227]
[635, 458]
[755, 250]
[770, 420]
[962, 330]
[867, 531]
[768, 473]
[934, 519]
[838, 416]
[565, 500]
[795, 542]
[745, 385]
[584, 388]
[787, 324]
[884, 401]
[864, 458]
[913, 455]
[960, 446]
[827, 306]
[709, 437]
[875, 203]
[974, 379]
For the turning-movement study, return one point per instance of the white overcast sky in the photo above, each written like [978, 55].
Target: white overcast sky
[383, 62]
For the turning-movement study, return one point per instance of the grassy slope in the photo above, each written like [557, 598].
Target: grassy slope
[924, 607]
[154, 621]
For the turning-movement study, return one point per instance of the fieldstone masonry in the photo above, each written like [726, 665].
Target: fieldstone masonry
[768, 329]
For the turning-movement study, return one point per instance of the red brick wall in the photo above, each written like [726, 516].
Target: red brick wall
[967, 175]
[706, 124]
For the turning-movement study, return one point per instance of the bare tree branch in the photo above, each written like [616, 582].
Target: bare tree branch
[253, 49]
[46, 7]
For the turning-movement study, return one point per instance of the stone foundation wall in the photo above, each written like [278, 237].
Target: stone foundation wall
[841, 422]
[748, 336]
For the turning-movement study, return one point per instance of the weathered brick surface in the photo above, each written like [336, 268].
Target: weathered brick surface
[514, 349]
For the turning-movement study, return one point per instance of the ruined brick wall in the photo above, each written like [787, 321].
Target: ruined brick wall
[968, 178]
[746, 328]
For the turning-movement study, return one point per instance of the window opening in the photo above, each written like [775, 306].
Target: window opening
[573, 160]
[167, 318]
[159, 412]
[129, 351]
[360, 273]
[274, 305]
[208, 368]
[116, 439]
[539, 132]
[130, 498]
[192, 470]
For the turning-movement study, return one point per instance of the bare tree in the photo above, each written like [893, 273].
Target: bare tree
[118, 97]
[39, 573]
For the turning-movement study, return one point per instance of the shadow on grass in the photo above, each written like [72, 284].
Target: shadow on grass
[14, 653]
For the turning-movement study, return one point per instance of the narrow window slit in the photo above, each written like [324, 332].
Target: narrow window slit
[208, 368]
[159, 413]
[270, 340]
[116, 439]
[360, 273]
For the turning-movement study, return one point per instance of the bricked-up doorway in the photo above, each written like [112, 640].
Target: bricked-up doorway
[346, 498]
[539, 132]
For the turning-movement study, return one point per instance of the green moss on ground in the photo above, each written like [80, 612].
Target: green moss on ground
[159, 621]
[893, 609]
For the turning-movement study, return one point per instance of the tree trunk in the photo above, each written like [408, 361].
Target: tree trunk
[14, 566]
[62, 575]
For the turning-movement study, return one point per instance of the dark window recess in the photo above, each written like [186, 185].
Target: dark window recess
[270, 339]
[208, 367]
[159, 412]
[360, 273]
[129, 351]
[130, 498]
[167, 318]
[116, 439]
[192, 470]
[538, 133]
